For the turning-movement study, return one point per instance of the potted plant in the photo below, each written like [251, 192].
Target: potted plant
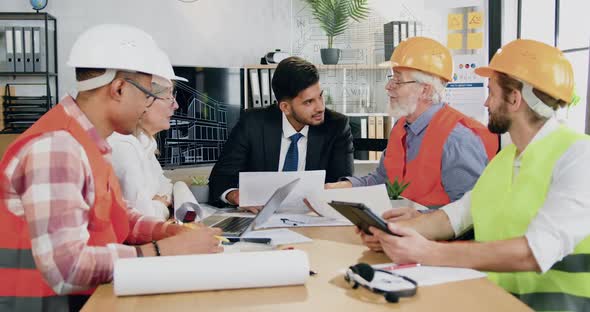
[394, 191]
[333, 16]
[200, 188]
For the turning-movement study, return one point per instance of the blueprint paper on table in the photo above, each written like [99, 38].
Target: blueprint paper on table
[171, 274]
[280, 220]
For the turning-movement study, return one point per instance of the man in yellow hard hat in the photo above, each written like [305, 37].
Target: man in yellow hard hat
[439, 151]
[530, 209]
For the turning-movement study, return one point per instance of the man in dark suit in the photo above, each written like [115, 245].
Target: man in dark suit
[296, 134]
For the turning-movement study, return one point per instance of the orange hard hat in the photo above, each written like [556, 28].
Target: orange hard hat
[424, 54]
[539, 64]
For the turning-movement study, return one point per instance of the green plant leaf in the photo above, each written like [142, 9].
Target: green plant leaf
[395, 189]
[333, 15]
[358, 10]
[200, 180]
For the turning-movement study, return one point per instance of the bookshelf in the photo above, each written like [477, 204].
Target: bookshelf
[356, 90]
[28, 68]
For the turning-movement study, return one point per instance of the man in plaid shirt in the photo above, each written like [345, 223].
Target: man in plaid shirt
[62, 217]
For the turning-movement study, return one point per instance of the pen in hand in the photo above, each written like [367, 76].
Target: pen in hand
[221, 238]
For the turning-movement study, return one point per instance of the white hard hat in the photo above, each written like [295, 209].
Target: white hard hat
[167, 70]
[117, 47]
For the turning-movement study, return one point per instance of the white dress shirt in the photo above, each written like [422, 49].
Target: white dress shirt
[288, 131]
[562, 222]
[140, 174]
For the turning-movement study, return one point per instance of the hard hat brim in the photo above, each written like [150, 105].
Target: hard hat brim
[485, 71]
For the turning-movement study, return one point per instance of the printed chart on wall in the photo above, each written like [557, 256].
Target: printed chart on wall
[466, 92]
[466, 40]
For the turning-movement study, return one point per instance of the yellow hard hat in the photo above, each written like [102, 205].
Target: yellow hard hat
[539, 64]
[424, 54]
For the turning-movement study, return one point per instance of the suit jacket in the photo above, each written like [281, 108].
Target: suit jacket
[255, 143]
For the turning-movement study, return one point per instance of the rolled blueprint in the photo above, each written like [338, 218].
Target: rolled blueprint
[185, 202]
[157, 275]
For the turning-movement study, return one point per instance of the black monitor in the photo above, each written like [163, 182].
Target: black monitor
[209, 107]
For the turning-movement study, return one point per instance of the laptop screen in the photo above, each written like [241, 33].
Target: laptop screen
[274, 202]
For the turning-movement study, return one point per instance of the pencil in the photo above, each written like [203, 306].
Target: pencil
[221, 238]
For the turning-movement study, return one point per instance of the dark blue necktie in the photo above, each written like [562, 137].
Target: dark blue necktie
[292, 158]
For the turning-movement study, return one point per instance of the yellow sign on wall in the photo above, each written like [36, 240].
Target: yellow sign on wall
[455, 22]
[475, 40]
[455, 41]
[475, 20]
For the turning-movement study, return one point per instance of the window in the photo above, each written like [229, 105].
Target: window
[538, 20]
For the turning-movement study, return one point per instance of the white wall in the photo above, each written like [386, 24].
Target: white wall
[215, 33]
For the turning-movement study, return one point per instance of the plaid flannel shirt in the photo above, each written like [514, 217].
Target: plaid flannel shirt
[52, 188]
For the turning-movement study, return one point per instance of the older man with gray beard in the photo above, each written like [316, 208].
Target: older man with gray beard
[438, 150]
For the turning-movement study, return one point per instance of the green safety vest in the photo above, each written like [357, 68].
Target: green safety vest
[503, 209]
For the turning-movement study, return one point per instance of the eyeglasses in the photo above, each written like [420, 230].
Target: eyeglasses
[142, 89]
[149, 94]
[171, 100]
[397, 83]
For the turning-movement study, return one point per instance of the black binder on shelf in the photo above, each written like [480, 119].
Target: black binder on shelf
[397, 31]
[358, 127]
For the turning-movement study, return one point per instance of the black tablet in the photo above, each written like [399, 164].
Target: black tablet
[361, 216]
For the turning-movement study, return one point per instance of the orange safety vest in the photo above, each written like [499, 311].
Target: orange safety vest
[424, 172]
[107, 219]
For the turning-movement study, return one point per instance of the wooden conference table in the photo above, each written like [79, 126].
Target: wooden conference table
[333, 250]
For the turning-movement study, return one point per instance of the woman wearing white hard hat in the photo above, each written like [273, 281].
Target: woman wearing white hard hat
[60, 203]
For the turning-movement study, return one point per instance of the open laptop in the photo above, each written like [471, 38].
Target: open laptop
[233, 226]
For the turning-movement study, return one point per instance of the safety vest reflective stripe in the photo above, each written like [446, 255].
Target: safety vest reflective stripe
[555, 302]
[16, 259]
[577, 263]
[53, 303]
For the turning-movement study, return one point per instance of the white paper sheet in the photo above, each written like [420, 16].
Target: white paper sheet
[432, 275]
[155, 275]
[257, 187]
[279, 236]
[182, 195]
[375, 197]
[282, 220]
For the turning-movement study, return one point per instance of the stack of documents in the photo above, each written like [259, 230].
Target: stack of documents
[257, 187]
[431, 275]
